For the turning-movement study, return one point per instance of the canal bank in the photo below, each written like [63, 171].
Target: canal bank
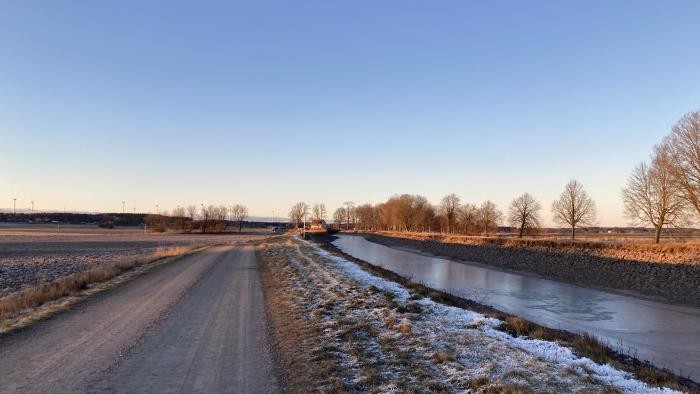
[392, 268]
[667, 273]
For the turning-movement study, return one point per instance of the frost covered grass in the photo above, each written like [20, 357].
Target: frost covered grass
[378, 336]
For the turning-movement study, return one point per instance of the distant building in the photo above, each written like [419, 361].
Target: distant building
[318, 224]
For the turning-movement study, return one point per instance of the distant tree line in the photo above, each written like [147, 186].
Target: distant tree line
[116, 219]
[205, 219]
[407, 212]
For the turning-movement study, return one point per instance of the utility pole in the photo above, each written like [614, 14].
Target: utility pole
[123, 206]
[32, 206]
[14, 206]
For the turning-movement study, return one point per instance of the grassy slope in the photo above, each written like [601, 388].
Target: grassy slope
[366, 338]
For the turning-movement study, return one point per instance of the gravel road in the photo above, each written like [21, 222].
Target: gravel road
[194, 325]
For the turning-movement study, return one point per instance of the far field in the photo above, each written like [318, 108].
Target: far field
[31, 254]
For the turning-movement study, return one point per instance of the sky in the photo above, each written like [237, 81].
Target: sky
[269, 103]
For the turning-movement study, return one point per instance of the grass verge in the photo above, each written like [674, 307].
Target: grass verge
[300, 351]
[19, 309]
[584, 344]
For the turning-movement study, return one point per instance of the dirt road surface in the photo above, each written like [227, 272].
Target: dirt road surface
[196, 324]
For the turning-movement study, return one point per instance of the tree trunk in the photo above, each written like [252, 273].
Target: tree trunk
[658, 234]
[573, 232]
[240, 225]
[522, 229]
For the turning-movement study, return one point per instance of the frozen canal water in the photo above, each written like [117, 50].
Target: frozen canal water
[667, 335]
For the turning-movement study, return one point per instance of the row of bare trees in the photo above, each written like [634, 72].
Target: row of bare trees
[408, 212]
[665, 191]
[207, 218]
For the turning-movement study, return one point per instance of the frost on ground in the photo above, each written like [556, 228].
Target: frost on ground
[378, 336]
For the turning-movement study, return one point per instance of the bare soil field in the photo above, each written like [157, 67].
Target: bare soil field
[34, 254]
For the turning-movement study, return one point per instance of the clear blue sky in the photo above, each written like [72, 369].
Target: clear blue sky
[327, 101]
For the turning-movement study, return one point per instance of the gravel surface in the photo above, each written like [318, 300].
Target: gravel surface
[196, 324]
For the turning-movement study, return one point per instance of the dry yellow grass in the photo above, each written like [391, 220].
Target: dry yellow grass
[669, 252]
[45, 292]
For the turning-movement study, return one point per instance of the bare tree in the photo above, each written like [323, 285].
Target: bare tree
[179, 218]
[403, 211]
[298, 212]
[221, 212]
[155, 223]
[524, 213]
[488, 217]
[424, 213]
[652, 197]
[367, 216]
[684, 152]
[467, 217]
[318, 212]
[339, 217]
[349, 212]
[448, 208]
[206, 215]
[574, 207]
[213, 218]
[191, 212]
[239, 213]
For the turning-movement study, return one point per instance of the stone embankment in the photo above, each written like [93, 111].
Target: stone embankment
[667, 271]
